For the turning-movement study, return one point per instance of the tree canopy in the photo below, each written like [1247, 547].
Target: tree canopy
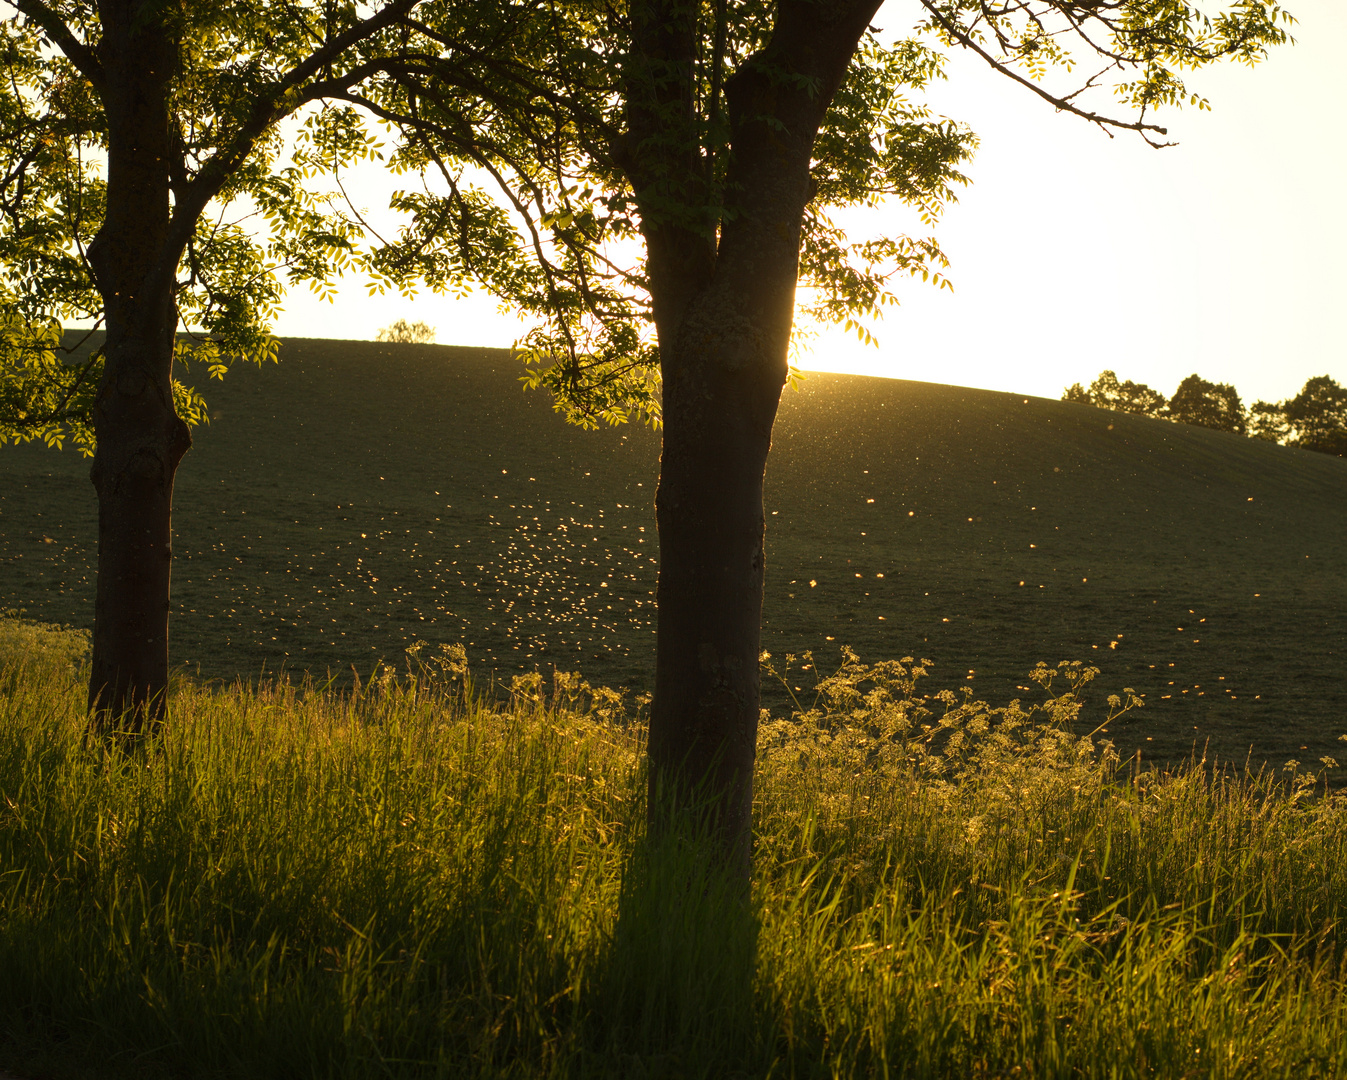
[1315, 419]
[245, 219]
[409, 333]
[1207, 404]
[149, 183]
[595, 138]
[537, 198]
[1106, 392]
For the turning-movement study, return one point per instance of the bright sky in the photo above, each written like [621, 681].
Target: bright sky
[1072, 252]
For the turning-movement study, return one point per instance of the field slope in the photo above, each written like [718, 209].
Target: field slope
[361, 497]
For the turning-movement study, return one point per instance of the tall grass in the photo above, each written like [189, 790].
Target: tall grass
[407, 881]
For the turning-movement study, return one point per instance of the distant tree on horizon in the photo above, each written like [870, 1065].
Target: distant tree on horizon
[1315, 419]
[1207, 404]
[1267, 421]
[1106, 392]
[404, 333]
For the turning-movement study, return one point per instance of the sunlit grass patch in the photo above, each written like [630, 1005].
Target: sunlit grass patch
[34, 651]
[407, 881]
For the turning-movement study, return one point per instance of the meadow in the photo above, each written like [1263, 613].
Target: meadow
[360, 497]
[407, 881]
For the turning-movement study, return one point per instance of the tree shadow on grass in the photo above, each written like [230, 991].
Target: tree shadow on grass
[675, 997]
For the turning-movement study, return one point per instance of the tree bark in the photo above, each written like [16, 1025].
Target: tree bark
[140, 437]
[723, 310]
[718, 413]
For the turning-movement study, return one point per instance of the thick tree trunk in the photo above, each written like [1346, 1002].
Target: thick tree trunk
[723, 360]
[718, 415]
[141, 439]
[723, 307]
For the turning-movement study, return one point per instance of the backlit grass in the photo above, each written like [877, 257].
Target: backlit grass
[404, 882]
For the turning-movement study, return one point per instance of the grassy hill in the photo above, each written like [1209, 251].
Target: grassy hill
[360, 497]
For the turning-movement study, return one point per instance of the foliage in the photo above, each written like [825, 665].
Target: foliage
[1207, 404]
[556, 239]
[416, 333]
[553, 139]
[1318, 416]
[43, 396]
[1268, 422]
[543, 122]
[399, 882]
[1149, 45]
[1106, 392]
[47, 392]
[247, 217]
[1315, 419]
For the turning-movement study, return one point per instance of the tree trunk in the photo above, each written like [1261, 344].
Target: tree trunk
[141, 439]
[718, 415]
[723, 309]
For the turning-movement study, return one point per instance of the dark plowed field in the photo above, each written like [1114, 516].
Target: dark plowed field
[361, 497]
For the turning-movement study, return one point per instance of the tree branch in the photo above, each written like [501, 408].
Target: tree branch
[1062, 103]
[269, 107]
[64, 38]
[336, 46]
